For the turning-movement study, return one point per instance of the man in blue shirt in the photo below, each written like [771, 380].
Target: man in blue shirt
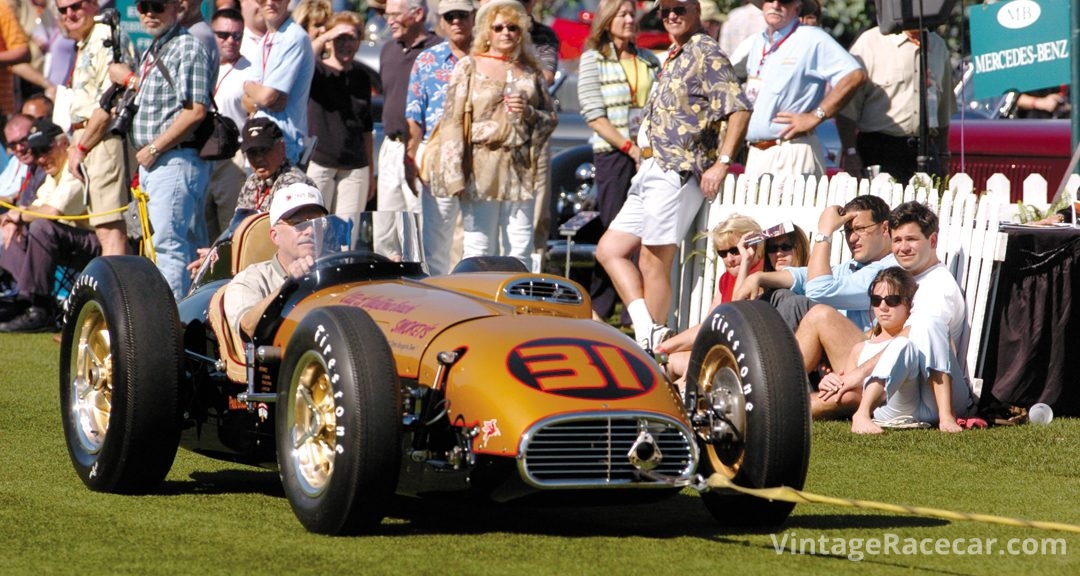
[423, 107]
[828, 307]
[282, 71]
[788, 69]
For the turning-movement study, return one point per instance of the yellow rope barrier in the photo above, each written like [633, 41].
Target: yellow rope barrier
[786, 494]
[146, 243]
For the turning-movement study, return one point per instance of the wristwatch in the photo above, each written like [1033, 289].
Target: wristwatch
[724, 159]
[819, 237]
[152, 149]
[820, 113]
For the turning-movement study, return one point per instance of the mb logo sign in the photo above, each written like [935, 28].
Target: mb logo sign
[1020, 45]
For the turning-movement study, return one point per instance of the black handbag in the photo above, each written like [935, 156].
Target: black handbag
[217, 137]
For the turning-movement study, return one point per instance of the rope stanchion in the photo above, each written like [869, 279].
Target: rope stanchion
[146, 241]
[42, 216]
[786, 494]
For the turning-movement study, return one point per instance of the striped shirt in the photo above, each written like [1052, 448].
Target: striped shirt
[605, 91]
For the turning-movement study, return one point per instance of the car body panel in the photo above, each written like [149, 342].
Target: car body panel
[1016, 148]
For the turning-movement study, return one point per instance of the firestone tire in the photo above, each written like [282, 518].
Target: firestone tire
[746, 359]
[120, 370]
[338, 422]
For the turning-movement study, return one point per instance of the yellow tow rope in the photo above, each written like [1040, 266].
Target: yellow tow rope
[786, 494]
[146, 243]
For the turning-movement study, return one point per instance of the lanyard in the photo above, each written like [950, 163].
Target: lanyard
[775, 46]
[222, 79]
[260, 197]
[671, 56]
[267, 45]
[25, 184]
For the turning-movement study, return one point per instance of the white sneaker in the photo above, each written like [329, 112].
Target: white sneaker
[657, 334]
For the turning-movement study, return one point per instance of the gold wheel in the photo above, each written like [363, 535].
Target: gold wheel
[721, 394]
[313, 424]
[92, 381]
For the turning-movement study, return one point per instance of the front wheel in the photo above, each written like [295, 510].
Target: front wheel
[748, 395]
[120, 367]
[338, 422]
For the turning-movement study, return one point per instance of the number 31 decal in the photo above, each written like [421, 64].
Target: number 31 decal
[580, 368]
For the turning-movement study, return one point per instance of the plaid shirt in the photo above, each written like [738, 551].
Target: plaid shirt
[161, 102]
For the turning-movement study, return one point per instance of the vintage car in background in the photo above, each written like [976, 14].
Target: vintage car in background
[368, 378]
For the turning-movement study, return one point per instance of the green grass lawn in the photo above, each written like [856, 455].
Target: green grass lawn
[218, 518]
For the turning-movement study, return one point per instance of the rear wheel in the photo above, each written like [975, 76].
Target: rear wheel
[120, 366]
[339, 422]
[751, 409]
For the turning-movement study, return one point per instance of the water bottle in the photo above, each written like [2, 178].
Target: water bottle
[508, 88]
[1040, 414]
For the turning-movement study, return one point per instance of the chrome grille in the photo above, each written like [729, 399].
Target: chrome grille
[544, 289]
[590, 451]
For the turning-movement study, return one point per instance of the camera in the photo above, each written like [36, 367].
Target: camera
[125, 113]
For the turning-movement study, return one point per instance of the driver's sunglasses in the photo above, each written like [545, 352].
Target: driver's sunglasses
[148, 6]
[449, 17]
[893, 300]
[679, 11]
[298, 219]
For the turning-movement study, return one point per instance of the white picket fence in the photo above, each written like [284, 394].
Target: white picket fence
[969, 241]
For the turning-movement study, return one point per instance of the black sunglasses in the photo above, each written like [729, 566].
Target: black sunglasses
[147, 6]
[512, 28]
[63, 10]
[733, 251]
[17, 144]
[449, 17]
[236, 36]
[774, 248]
[679, 11]
[893, 300]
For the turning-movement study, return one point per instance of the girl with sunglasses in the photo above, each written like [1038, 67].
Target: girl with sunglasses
[791, 249]
[893, 404]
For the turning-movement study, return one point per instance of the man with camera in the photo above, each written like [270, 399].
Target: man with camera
[93, 149]
[172, 94]
[42, 242]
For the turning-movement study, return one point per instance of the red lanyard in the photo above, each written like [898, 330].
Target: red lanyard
[260, 197]
[25, 184]
[671, 56]
[222, 79]
[775, 46]
[268, 44]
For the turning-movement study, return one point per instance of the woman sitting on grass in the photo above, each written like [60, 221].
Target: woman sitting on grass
[898, 401]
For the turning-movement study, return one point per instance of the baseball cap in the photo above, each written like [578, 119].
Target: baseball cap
[260, 133]
[710, 11]
[291, 198]
[42, 135]
[808, 6]
[447, 6]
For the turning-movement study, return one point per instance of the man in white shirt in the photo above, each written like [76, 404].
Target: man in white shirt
[227, 176]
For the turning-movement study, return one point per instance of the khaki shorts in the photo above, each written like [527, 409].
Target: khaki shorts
[108, 189]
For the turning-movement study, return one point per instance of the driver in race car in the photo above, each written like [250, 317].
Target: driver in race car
[251, 291]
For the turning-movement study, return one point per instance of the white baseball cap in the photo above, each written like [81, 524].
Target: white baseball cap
[293, 197]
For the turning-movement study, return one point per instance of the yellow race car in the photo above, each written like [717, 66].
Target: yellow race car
[369, 378]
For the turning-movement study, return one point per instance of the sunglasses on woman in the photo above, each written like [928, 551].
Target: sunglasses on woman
[511, 28]
[147, 7]
[733, 251]
[893, 300]
[774, 248]
[679, 11]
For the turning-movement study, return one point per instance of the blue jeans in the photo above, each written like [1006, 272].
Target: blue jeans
[177, 185]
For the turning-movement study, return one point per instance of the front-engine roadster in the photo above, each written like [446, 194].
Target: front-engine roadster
[368, 378]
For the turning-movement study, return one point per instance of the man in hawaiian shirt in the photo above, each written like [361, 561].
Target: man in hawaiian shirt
[686, 152]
